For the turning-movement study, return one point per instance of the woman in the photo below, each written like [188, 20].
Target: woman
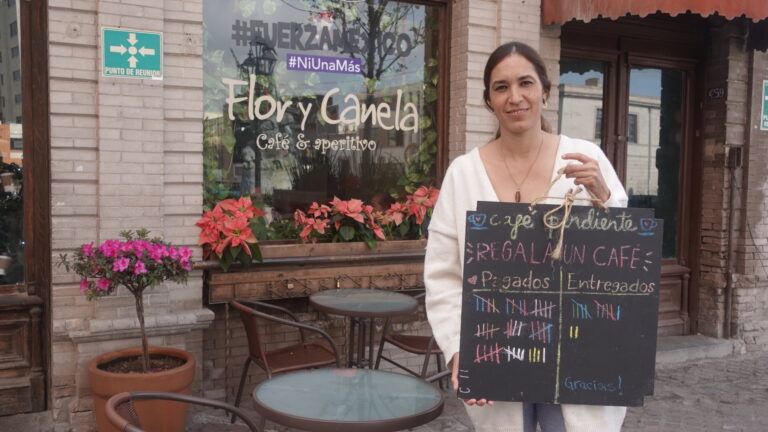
[519, 165]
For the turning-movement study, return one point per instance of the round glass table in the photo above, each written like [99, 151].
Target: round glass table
[337, 400]
[362, 306]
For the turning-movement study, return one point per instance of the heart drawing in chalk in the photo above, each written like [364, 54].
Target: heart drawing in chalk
[472, 280]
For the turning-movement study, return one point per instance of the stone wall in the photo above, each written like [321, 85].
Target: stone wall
[750, 300]
[476, 31]
[722, 120]
[126, 153]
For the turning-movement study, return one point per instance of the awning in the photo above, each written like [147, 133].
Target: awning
[561, 11]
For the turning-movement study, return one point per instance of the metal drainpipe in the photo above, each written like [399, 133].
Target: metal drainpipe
[734, 160]
[735, 155]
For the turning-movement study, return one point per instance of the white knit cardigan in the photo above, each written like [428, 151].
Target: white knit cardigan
[466, 182]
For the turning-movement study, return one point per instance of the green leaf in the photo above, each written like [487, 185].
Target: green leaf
[225, 261]
[430, 137]
[404, 228]
[430, 94]
[228, 141]
[414, 177]
[244, 259]
[347, 232]
[234, 251]
[372, 244]
[256, 251]
[432, 62]
[370, 84]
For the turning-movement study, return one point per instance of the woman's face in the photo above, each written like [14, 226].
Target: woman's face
[516, 94]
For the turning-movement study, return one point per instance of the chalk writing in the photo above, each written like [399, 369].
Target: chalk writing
[541, 331]
[488, 353]
[573, 332]
[537, 307]
[483, 304]
[580, 310]
[607, 311]
[514, 328]
[486, 330]
[579, 329]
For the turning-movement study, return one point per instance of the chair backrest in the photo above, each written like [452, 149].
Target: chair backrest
[122, 415]
[250, 319]
[250, 316]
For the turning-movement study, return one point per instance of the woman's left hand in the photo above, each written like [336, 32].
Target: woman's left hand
[588, 174]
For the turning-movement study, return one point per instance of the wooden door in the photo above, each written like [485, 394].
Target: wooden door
[628, 86]
[24, 207]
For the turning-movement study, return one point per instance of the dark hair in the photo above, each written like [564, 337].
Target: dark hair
[529, 54]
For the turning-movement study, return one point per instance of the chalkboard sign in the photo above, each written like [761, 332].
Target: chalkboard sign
[580, 329]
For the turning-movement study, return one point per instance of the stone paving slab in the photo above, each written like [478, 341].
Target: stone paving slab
[724, 394]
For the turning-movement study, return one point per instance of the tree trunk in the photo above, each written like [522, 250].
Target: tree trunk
[138, 295]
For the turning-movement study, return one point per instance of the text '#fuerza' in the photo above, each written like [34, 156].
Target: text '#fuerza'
[313, 63]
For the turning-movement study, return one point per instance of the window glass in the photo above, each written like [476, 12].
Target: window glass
[653, 153]
[305, 100]
[11, 158]
[581, 97]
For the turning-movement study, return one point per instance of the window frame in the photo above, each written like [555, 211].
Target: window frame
[443, 86]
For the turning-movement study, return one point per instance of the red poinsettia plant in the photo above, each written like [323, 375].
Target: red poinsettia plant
[340, 221]
[409, 220]
[227, 232]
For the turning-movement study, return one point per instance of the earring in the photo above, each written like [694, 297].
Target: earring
[544, 102]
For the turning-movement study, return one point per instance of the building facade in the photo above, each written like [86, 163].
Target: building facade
[676, 98]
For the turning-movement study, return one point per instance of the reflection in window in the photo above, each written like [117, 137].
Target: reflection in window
[598, 124]
[11, 157]
[653, 153]
[632, 128]
[581, 95]
[303, 104]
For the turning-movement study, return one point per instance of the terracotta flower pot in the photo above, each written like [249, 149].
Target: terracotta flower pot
[160, 416]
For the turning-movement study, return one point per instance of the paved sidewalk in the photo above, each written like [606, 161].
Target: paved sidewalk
[724, 394]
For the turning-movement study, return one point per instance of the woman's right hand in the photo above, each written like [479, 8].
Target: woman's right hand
[455, 381]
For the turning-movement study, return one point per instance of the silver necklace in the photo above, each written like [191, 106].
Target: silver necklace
[519, 186]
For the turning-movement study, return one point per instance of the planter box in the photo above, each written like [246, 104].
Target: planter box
[298, 270]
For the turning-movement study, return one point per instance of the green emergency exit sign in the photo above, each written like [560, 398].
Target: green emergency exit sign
[764, 110]
[132, 53]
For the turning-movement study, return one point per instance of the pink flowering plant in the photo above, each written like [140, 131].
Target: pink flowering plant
[136, 262]
[340, 221]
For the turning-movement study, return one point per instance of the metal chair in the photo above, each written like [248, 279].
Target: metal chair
[415, 344]
[302, 355]
[122, 414]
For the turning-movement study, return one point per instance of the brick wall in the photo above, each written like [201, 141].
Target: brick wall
[750, 300]
[126, 153]
[476, 31]
[723, 118]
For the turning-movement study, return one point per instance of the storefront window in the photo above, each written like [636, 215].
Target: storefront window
[309, 99]
[581, 96]
[11, 154]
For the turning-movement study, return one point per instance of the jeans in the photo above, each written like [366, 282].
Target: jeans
[549, 417]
